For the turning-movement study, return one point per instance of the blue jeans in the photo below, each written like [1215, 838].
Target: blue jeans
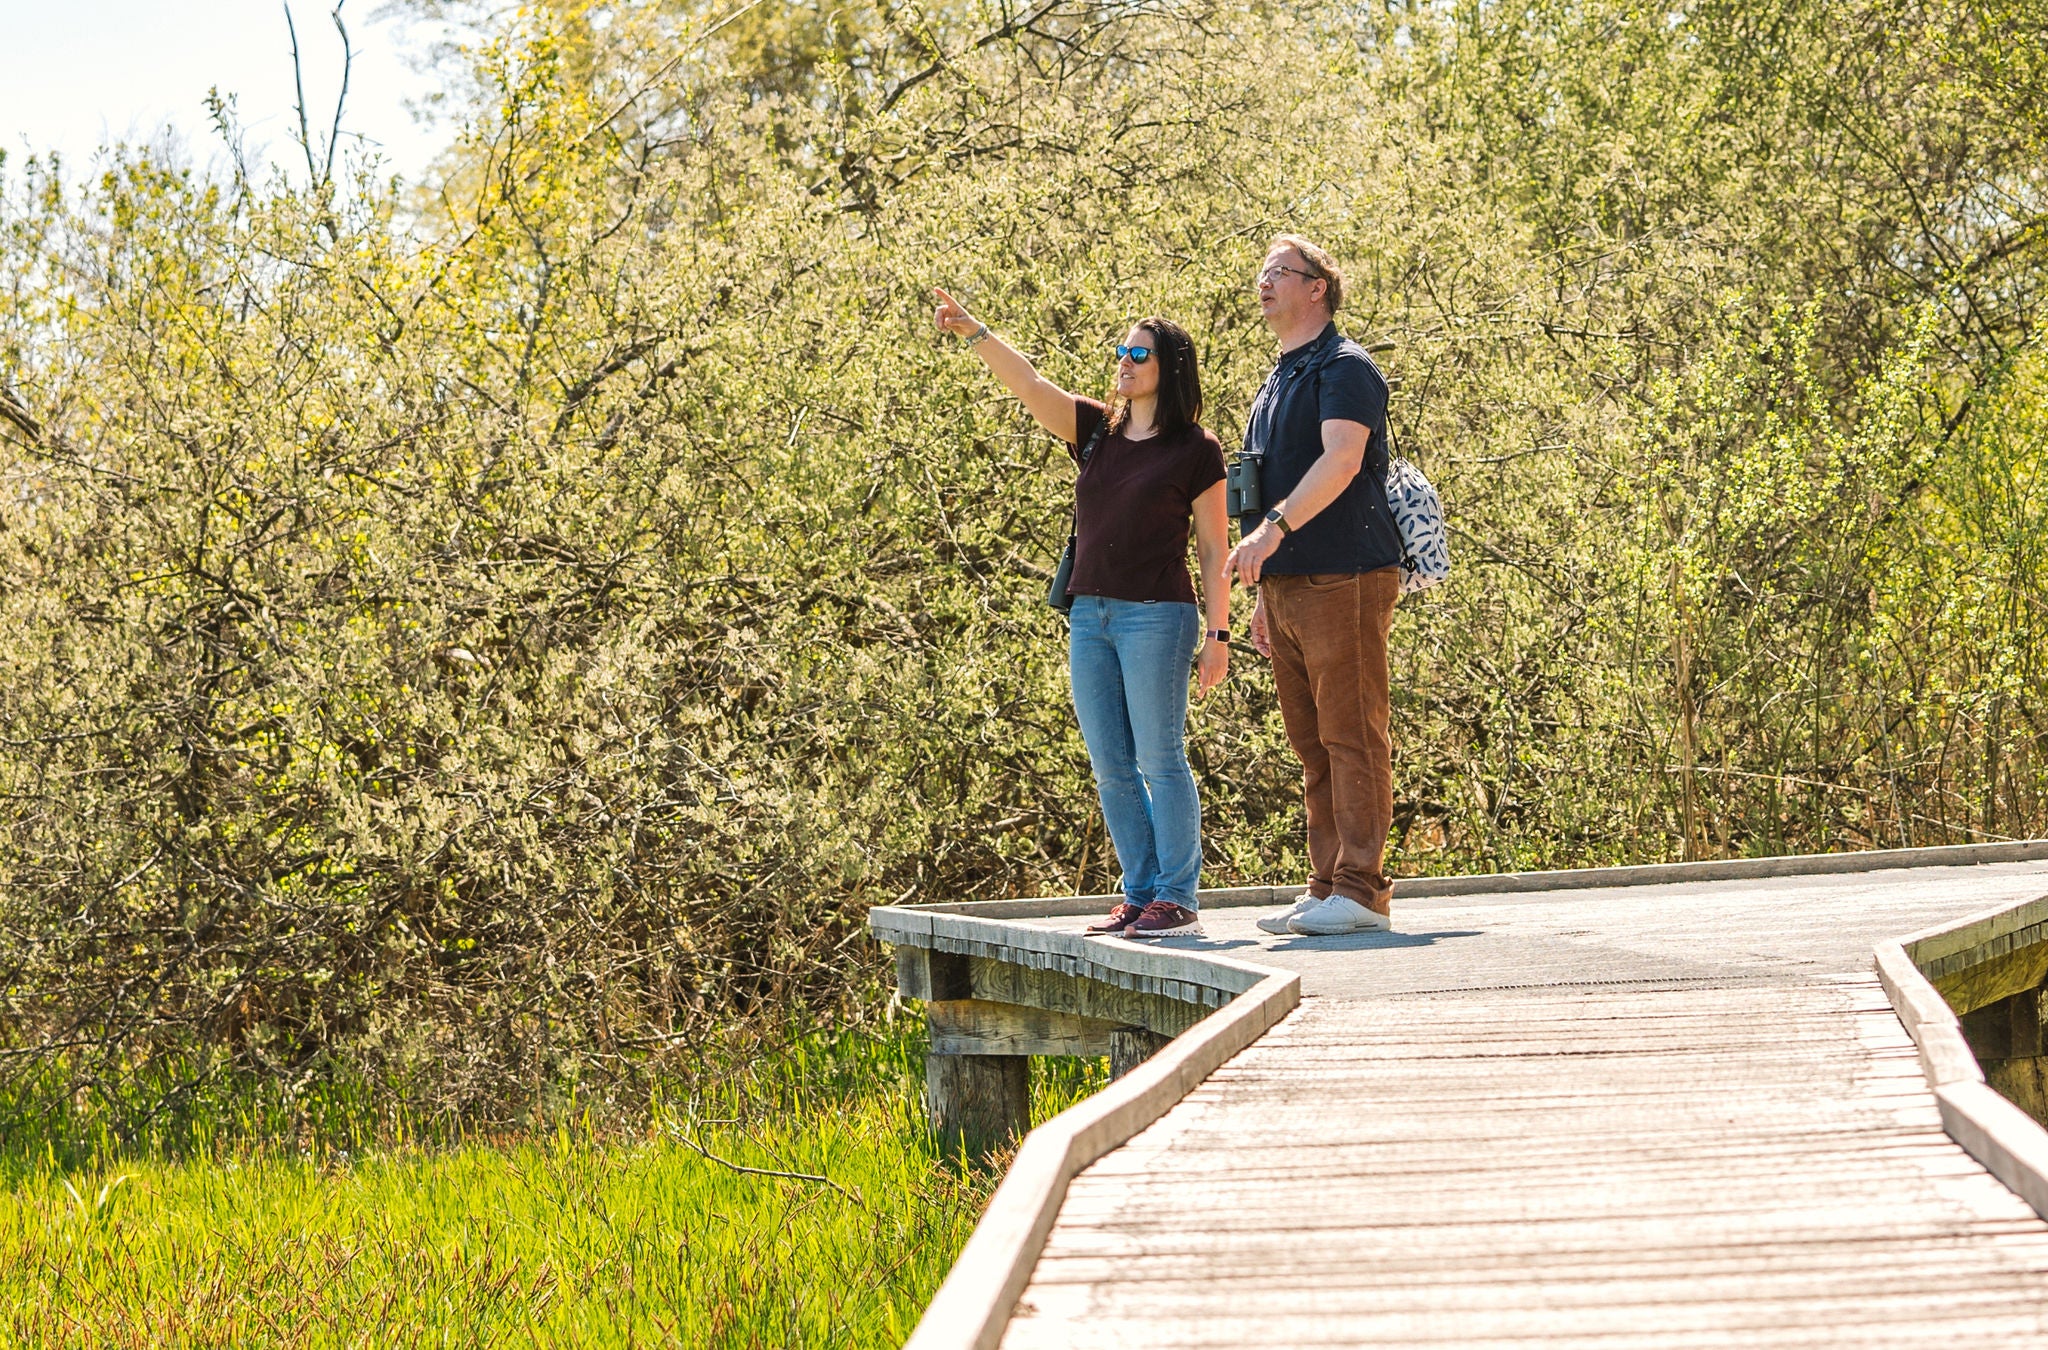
[1129, 662]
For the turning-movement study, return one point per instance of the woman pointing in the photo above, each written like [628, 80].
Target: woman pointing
[1148, 469]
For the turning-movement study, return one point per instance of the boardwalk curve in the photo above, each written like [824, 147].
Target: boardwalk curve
[1662, 1108]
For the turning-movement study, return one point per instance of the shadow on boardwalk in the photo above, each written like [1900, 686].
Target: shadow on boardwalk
[1342, 942]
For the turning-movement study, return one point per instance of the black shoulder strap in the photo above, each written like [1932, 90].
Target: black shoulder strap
[1393, 436]
[1095, 439]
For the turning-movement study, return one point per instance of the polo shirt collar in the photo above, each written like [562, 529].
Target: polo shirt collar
[1313, 345]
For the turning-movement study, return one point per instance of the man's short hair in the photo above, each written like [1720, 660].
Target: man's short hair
[1319, 262]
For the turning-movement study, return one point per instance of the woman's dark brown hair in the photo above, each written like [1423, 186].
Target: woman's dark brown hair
[1180, 383]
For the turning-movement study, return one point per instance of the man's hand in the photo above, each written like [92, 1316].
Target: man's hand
[1249, 557]
[1211, 666]
[1262, 641]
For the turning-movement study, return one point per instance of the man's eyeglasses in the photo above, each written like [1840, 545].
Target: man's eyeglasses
[1273, 272]
[1139, 355]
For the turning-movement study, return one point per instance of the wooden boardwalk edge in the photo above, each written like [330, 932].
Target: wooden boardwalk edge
[973, 1306]
[2010, 1144]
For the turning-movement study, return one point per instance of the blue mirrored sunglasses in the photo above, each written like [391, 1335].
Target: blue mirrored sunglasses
[1139, 355]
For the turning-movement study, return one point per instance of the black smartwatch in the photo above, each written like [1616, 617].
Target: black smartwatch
[1276, 518]
[1219, 635]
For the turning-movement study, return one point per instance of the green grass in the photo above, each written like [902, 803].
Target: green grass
[569, 1237]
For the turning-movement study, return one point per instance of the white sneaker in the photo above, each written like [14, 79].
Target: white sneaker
[1338, 914]
[1277, 923]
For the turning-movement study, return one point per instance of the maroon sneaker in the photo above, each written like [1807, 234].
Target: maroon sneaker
[1119, 919]
[1163, 918]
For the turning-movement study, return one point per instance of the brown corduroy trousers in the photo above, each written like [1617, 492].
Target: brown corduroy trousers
[1329, 638]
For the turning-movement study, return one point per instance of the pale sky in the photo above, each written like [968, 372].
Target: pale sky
[75, 74]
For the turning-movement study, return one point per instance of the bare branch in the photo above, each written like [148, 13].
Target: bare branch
[299, 84]
[22, 419]
[690, 1141]
[348, 60]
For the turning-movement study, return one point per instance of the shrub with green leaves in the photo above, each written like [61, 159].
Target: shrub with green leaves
[500, 638]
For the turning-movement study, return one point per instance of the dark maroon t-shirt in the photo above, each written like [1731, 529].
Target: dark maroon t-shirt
[1133, 504]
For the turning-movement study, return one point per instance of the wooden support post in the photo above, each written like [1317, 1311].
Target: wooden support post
[2026, 1024]
[2008, 1041]
[978, 1101]
[1132, 1046]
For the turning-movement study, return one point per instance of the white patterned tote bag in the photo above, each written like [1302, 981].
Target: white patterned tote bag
[1419, 514]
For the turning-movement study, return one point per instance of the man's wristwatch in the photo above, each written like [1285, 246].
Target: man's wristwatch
[1219, 635]
[1274, 517]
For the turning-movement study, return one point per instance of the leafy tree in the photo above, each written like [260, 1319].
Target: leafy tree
[503, 637]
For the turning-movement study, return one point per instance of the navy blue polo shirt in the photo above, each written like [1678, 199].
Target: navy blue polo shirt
[1330, 378]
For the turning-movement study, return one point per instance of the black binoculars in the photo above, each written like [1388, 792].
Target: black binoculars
[1241, 486]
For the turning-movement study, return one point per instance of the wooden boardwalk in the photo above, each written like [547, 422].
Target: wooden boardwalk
[1676, 1115]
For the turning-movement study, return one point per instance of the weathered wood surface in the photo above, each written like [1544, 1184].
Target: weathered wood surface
[1132, 1046]
[1988, 959]
[971, 1026]
[972, 1307]
[1000, 982]
[1504, 883]
[977, 1101]
[1679, 1115]
[1134, 966]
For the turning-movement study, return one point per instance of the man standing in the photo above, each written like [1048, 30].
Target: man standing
[1325, 556]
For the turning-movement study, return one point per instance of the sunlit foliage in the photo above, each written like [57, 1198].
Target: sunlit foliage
[491, 637]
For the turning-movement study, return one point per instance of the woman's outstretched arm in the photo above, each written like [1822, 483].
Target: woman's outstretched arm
[1049, 405]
